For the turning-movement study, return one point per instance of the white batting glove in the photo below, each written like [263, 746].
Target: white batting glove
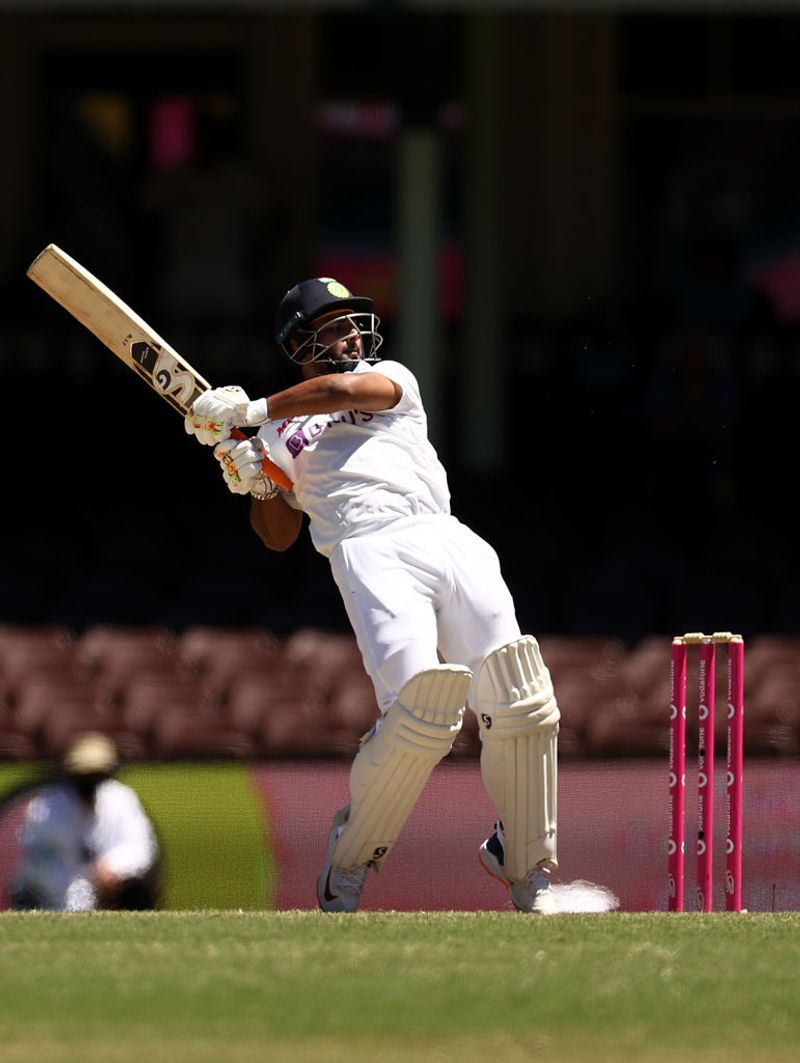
[240, 460]
[217, 411]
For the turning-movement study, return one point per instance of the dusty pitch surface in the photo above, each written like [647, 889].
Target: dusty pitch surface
[397, 986]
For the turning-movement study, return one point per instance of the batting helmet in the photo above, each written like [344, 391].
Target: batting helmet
[310, 299]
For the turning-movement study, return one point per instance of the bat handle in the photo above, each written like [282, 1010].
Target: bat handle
[269, 468]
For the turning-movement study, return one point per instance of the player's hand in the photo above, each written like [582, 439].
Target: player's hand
[106, 882]
[216, 412]
[240, 461]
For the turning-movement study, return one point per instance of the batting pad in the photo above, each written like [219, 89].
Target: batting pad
[518, 718]
[393, 765]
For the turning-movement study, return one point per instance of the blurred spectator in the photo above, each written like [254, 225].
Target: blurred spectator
[86, 842]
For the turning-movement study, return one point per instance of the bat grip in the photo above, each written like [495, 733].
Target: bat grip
[269, 468]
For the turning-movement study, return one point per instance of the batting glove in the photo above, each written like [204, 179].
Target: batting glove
[217, 411]
[240, 461]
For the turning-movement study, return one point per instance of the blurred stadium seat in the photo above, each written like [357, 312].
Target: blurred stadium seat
[40, 701]
[618, 728]
[19, 636]
[177, 734]
[146, 699]
[65, 725]
[351, 703]
[299, 727]
[468, 743]
[28, 653]
[113, 657]
[221, 656]
[255, 698]
[14, 745]
[244, 692]
[324, 657]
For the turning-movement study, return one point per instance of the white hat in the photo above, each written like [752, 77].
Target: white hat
[91, 754]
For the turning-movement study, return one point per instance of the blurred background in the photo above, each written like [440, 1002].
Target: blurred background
[580, 225]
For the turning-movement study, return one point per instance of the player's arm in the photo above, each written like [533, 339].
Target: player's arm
[275, 522]
[371, 392]
[218, 411]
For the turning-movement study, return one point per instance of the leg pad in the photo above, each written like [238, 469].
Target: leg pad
[518, 717]
[391, 768]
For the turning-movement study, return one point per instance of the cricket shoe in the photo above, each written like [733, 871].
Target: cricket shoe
[339, 888]
[530, 894]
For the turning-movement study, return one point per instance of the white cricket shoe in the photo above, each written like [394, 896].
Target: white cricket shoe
[531, 894]
[339, 888]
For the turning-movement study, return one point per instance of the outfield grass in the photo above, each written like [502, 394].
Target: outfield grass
[212, 832]
[441, 987]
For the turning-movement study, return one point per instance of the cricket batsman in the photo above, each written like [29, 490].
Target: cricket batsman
[419, 587]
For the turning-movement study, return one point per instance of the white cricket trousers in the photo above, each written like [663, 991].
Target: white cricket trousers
[418, 586]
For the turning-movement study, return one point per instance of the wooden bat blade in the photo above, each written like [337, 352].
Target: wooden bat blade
[121, 329]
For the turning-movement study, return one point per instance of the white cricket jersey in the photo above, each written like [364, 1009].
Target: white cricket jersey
[354, 472]
[60, 837]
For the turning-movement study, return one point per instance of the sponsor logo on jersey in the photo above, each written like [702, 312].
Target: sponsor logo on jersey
[313, 429]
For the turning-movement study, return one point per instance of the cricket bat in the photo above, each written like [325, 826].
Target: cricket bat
[126, 334]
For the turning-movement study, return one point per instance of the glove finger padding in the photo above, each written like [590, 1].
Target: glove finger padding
[235, 483]
[215, 413]
[241, 462]
[222, 450]
[241, 451]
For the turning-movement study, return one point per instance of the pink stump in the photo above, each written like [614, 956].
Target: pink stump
[677, 777]
[734, 777]
[705, 776]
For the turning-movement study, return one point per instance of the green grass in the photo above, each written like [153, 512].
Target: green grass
[441, 987]
[212, 832]
[211, 828]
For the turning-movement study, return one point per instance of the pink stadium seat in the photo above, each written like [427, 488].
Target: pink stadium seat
[59, 730]
[39, 702]
[775, 700]
[324, 657]
[177, 735]
[27, 659]
[16, 636]
[302, 729]
[467, 745]
[618, 727]
[199, 647]
[352, 705]
[647, 666]
[113, 656]
[16, 746]
[770, 655]
[579, 694]
[267, 709]
[772, 714]
[220, 656]
[567, 655]
[145, 701]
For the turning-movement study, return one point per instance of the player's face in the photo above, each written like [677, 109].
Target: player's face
[338, 339]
